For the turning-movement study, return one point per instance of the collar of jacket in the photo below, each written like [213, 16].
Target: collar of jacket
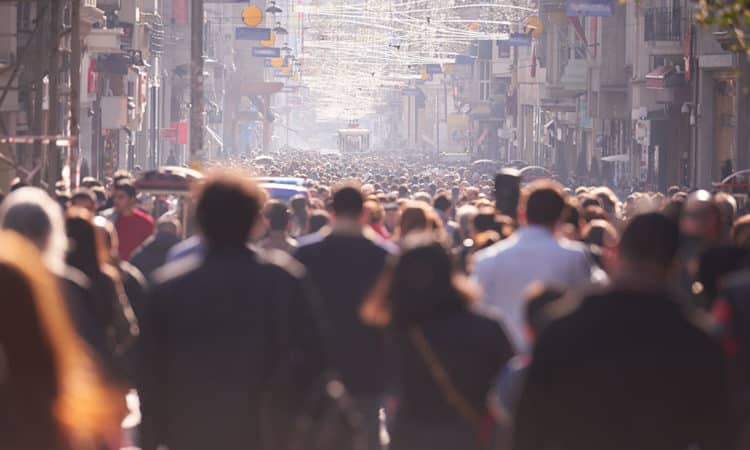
[351, 228]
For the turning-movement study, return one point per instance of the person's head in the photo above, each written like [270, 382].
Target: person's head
[465, 218]
[415, 218]
[18, 183]
[84, 198]
[607, 199]
[673, 208]
[728, 206]
[602, 238]
[124, 196]
[543, 204]
[276, 215]
[420, 284]
[348, 202]
[672, 191]
[299, 205]
[375, 212]
[32, 213]
[392, 215]
[649, 246]
[168, 225]
[701, 217]
[85, 249]
[227, 208]
[44, 357]
[121, 175]
[318, 220]
[90, 183]
[538, 300]
[443, 202]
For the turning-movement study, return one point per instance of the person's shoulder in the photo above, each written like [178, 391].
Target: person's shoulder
[75, 278]
[176, 270]
[144, 216]
[280, 263]
[491, 320]
[496, 252]
[133, 273]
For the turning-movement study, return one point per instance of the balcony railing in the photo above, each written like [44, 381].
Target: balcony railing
[663, 24]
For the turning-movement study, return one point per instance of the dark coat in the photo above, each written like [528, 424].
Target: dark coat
[152, 254]
[472, 349]
[215, 333]
[625, 370]
[344, 268]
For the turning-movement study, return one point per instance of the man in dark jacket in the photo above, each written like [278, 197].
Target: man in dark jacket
[344, 267]
[217, 331]
[630, 367]
[152, 254]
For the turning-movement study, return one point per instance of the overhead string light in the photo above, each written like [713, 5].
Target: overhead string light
[356, 54]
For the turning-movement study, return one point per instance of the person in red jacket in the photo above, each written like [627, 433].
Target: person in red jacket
[133, 225]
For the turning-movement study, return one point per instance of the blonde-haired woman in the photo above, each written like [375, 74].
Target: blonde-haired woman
[52, 394]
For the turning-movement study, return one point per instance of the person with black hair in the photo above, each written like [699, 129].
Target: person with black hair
[630, 367]
[441, 382]
[443, 205]
[277, 218]
[84, 198]
[217, 330]
[533, 253]
[152, 254]
[344, 266]
[133, 225]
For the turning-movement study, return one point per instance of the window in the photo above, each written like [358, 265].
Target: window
[503, 51]
[485, 74]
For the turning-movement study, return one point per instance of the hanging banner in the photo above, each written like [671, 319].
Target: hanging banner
[516, 40]
[592, 8]
[266, 52]
[433, 68]
[252, 34]
[464, 60]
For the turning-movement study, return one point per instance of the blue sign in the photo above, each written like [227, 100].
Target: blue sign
[266, 52]
[252, 34]
[517, 40]
[433, 68]
[464, 60]
[411, 92]
[592, 8]
[279, 74]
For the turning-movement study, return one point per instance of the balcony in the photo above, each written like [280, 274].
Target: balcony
[663, 24]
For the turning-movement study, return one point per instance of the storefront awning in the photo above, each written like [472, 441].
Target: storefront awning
[663, 77]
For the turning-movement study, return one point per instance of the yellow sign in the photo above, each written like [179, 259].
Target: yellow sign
[277, 62]
[286, 69]
[196, 165]
[252, 16]
[425, 75]
[533, 25]
[269, 42]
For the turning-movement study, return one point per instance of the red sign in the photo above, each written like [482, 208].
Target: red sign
[182, 133]
[180, 11]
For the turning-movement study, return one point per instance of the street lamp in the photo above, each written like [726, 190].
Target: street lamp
[279, 30]
[273, 9]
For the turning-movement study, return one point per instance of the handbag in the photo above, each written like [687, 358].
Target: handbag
[481, 421]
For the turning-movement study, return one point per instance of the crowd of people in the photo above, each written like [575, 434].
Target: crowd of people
[397, 305]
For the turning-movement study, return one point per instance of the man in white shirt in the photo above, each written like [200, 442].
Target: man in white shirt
[533, 253]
